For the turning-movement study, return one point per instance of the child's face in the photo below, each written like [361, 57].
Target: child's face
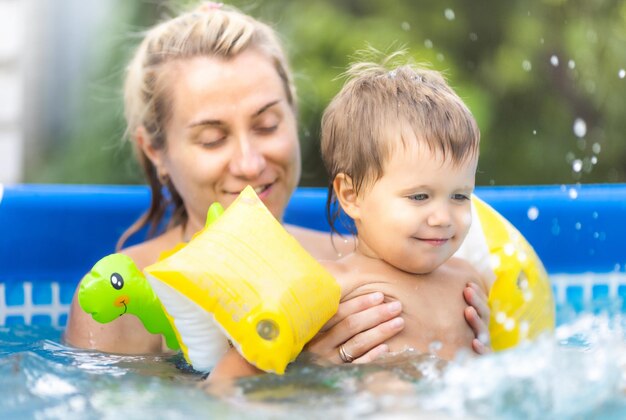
[416, 216]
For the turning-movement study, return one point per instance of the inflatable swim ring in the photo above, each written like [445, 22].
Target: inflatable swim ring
[520, 298]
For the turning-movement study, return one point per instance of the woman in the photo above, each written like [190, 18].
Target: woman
[211, 107]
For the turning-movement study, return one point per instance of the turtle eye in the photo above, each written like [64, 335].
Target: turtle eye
[117, 281]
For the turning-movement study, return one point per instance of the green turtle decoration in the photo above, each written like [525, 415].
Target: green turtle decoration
[115, 287]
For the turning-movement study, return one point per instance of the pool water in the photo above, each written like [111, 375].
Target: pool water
[577, 372]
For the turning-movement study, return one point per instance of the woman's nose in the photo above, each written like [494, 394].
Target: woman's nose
[248, 161]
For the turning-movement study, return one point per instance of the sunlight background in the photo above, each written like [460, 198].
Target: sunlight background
[545, 79]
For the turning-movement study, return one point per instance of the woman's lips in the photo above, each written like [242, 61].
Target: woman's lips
[261, 190]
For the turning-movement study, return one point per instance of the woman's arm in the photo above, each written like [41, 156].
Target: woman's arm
[232, 365]
[124, 335]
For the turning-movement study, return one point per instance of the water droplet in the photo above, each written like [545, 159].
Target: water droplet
[541, 40]
[449, 14]
[473, 36]
[580, 127]
[534, 132]
[509, 324]
[435, 346]
[596, 148]
[440, 57]
[594, 160]
[533, 213]
[500, 317]
[428, 43]
[509, 249]
[573, 193]
[577, 165]
[526, 65]
[406, 26]
[594, 214]
[596, 235]
[571, 64]
[554, 60]
[495, 261]
[578, 226]
[621, 73]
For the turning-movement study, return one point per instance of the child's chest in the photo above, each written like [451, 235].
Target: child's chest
[433, 311]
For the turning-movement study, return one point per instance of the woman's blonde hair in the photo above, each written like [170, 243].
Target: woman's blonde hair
[212, 30]
[377, 105]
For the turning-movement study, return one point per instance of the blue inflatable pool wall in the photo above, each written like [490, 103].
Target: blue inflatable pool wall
[52, 234]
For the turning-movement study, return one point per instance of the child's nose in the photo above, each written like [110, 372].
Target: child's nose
[248, 161]
[440, 216]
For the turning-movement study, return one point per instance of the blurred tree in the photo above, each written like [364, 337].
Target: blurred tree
[545, 80]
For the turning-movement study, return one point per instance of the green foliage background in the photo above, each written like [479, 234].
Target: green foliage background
[528, 70]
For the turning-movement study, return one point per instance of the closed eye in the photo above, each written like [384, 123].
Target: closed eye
[266, 129]
[213, 144]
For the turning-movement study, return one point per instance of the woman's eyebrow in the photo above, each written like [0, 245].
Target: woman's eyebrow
[205, 122]
[265, 107]
[211, 122]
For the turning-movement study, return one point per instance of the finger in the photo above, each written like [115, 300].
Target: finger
[361, 344]
[364, 325]
[373, 354]
[481, 330]
[479, 347]
[354, 306]
[475, 322]
[476, 297]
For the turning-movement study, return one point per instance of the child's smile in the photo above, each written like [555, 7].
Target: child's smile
[417, 214]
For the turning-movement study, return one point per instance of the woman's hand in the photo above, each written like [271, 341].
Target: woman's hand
[477, 316]
[358, 331]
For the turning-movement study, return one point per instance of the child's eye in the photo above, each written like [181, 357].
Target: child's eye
[418, 197]
[460, 197]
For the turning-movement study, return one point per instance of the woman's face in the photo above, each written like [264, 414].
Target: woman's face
[231, 126]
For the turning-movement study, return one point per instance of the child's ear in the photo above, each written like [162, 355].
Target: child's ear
[346, 195]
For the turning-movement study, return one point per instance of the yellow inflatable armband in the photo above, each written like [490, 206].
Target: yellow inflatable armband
[247, 274]
[520, 299]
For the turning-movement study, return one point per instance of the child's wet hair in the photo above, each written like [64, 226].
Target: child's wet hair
[381, 108]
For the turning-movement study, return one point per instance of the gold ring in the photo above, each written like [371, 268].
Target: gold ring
[344, 355]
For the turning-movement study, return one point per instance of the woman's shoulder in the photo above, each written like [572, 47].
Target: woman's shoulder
[148, 252]
[321, 245]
